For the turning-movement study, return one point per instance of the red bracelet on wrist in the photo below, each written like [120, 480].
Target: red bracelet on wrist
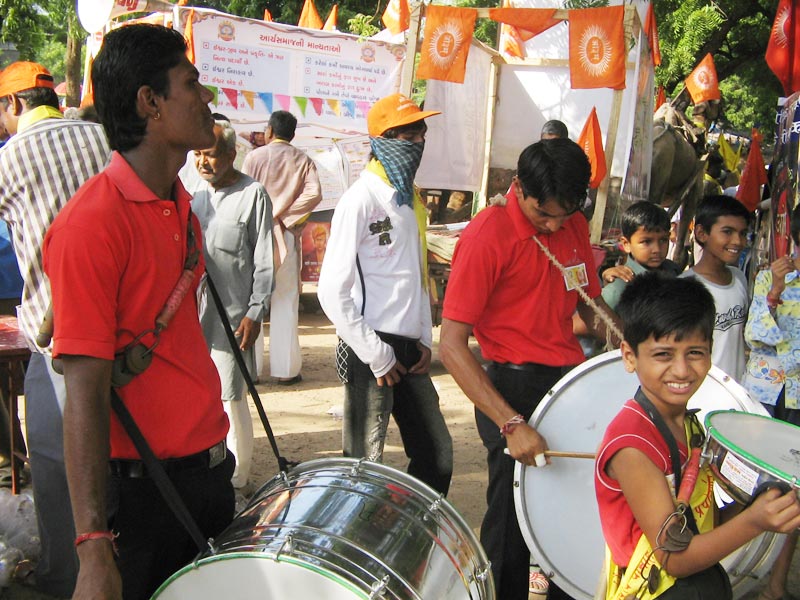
[773, 302]
[98, 535]
[509, 425]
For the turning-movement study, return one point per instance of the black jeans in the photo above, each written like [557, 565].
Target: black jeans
[152, 543]
[500, 533]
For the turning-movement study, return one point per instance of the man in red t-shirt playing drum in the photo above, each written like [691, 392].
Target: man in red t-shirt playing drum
[506, 288]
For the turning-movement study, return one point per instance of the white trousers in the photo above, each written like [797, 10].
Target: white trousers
[240, 439]
[285, 359]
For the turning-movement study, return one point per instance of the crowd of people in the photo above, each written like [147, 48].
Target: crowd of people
[144, 347]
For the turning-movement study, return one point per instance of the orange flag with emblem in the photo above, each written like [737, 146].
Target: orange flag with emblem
[397, 16]
[591, 140]
[702, 83]
[444, 50]
[330, 22]
[651, 29]
[754, 175]
[597, 48]
[309, 17]
[783, 49]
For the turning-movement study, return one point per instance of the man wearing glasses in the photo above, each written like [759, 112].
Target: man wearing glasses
[506, 288]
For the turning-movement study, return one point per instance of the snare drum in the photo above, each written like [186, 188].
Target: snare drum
[340, 529]
[556, 506]
[750, 453]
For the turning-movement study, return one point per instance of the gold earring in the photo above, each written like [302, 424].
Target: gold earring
[156, 116]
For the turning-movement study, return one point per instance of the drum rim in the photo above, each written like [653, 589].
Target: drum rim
[261, 555]
[741, 453]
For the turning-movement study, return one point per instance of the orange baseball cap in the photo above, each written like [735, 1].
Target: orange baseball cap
[394, 111]
[20, 76]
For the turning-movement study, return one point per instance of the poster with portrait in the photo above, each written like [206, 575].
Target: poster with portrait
[314, 240]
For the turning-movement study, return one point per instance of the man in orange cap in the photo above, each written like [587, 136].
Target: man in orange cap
[42, 165]
[372, 286]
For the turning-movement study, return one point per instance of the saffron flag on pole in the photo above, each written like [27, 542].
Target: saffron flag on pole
[783, 51]
[591, 140]
[448, 34]
[267, 15]
[702, 83]
[309, 17]
[397, 16]
[330, 22]
[597, 48]
[188, 34]
[511, 42]
[528, 22]
[651, 29]
[661, 97]
[754, 176]
[729, 156]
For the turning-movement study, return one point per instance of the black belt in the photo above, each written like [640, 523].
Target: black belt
[527, 367]
[136, 469]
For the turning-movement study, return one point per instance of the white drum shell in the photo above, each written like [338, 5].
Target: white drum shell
[340, 529]
[556, 505]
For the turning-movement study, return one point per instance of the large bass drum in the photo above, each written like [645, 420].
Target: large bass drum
[340, 529]
[556, 505]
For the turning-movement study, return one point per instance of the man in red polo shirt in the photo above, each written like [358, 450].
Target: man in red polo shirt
[507, 291]
[115, 256]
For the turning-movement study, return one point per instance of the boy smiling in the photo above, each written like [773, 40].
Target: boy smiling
[720, 227]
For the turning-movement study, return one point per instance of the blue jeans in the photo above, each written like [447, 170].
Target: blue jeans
[45, 396]
[414, 404]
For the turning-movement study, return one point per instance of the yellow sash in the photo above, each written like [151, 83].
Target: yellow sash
[632, 581]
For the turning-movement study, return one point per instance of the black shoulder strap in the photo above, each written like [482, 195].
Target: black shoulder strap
[171, 495]
[363, 286]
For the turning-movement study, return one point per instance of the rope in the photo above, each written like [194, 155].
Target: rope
[600, 314]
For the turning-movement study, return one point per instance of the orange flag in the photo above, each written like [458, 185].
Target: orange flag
[651, 29]
[754, 176]
[444, 50]
[529, 22]
[267, 15]
[309, 17]
[702, 83]
[397, 16]
[188, 33]
[661, 97]
[511, 42]
[783, 49]
[597, 48]
[591, 140]
[330, 22]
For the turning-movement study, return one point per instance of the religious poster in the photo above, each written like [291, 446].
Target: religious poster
[314, 240]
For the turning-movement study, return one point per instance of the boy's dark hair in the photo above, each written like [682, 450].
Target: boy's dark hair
[131, 57]
[794, 224]
[712, 208]
[657, 305]
[646, 215]
[34, 97]
[283, 124]
[555, 169]
[555, 128]
[394, 132]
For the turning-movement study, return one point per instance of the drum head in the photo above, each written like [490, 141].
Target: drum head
[556, 506]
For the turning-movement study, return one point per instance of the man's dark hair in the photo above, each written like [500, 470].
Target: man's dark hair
[412, 128]
[657, 305]
[131, 57]
[283, 124]
[712, 208]
[220, 117]
[555, 169]
[643, 214]
[556, 128]
[34, 97]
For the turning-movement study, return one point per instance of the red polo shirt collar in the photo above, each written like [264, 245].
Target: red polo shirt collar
[132, 188]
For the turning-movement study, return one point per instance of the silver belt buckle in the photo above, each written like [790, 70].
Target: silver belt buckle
[216, 454]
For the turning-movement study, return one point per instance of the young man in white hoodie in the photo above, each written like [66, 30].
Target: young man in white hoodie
[372, 287]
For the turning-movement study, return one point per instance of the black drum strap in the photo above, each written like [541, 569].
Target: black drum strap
[674, 453]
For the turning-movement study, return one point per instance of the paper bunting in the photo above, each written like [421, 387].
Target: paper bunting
[334, 104]
[266, 98]
[249, 97]
[283, 100]
[317, 104]
[302, 103]
[232, 96]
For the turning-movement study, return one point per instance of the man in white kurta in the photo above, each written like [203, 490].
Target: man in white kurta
[291, 181]
[235, 214]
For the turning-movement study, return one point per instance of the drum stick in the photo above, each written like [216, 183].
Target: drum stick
[563, 454]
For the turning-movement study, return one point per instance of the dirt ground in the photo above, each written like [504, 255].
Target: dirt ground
[305, 430]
